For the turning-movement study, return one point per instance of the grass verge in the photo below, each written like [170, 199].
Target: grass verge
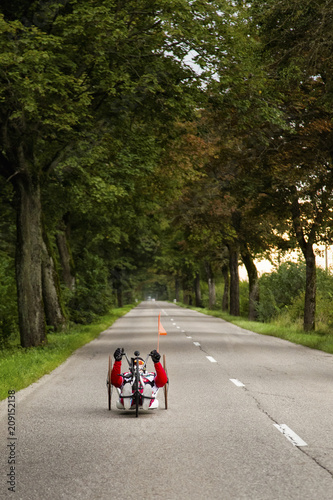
[21, 367]
[319, 339]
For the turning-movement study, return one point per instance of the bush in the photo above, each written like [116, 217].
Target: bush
[280, 289]
[8, 301]
[324, 312]
[92, 296]
[282, 294]
[244, 299]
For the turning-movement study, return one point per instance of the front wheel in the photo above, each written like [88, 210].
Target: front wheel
[166, 385]
[137, 391]
[109, 382]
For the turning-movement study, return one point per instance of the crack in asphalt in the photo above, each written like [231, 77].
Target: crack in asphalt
[262, 410]
[301, 449]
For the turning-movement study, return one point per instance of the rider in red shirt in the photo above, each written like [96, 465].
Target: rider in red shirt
[152, 381]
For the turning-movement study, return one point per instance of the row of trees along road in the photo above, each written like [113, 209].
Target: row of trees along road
[89, 90]
[116, 153]
[267, 127]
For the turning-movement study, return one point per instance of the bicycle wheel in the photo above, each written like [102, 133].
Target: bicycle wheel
[166, 385]
[137, 391]
[109, 382]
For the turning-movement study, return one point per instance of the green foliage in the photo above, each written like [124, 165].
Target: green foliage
[21, 367]
[282, 296]
[92, 295]
[324, 309]
[280, 329]
[93, 93]
[8, 305]
[244, 299]
[280, 289]
[88, 93]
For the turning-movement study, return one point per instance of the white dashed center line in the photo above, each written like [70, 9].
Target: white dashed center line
[237, 382]
[290, 435]
[211, 359]
[197, 344]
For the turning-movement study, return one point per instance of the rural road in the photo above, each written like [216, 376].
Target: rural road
[249, 417]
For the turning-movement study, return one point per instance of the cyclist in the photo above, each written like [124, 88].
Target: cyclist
[152, 381]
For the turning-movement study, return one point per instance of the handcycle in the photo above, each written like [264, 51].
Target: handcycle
[135, 376]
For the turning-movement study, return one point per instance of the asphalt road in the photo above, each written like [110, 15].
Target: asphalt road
[249, 417]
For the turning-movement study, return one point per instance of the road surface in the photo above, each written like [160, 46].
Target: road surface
[249, 417]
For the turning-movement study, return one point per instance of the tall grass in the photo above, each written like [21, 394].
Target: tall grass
[21, 367]
[281, 327]
[281, 306]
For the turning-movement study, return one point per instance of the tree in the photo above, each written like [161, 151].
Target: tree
[34, 87]
[299, 159]
[68, 70]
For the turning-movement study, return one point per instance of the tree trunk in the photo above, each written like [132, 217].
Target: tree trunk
[198, 301]
[177, 288]
[187, 285]
[310, 289]
[29, 261]
[225, 298]
[117, 275]
[253, 282]
[310, 260]
[66, 260]
[211, 285]
[120, 301]
[51, 291]
[234, 281]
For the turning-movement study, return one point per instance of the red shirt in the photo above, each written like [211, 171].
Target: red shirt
[117, 379]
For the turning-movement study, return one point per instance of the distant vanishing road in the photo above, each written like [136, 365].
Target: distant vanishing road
[250, 417]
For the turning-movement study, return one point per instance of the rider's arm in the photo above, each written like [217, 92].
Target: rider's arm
[116, 377]
[161, 377]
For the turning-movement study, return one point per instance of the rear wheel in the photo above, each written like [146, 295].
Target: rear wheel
[165, 388]
[109, 382]
[137, 391]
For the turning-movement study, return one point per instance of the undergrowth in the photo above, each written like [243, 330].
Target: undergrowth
[20, 367]
[321, 339]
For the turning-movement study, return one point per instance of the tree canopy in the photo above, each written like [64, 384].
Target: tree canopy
[120, 160]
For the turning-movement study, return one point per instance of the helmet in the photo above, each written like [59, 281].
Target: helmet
[140, 361]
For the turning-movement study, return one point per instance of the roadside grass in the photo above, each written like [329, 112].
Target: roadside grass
[321, 339]
[20, 367]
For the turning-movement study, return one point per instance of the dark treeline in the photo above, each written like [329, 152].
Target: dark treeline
[120, 162]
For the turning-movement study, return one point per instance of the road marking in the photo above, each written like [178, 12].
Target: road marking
[197, 344]
[188, 337]
[183, 331]
[178, 327]
[290, 435]
[237, 382]
[211, 359]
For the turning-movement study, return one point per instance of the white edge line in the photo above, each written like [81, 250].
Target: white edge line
[290, 435]
[211, 359]
[237, 382]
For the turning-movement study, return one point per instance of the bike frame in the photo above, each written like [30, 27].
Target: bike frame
[136, 381]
